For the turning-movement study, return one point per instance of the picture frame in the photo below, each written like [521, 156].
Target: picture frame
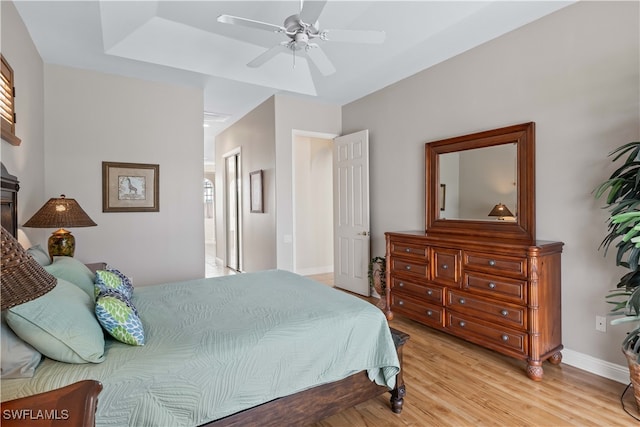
[255, 190]
[443, 193]
[130, 187]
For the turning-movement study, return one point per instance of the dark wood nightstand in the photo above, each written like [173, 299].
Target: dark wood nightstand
[97, 266]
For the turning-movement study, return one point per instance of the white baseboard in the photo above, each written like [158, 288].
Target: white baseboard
[315, 270]
[600, 367]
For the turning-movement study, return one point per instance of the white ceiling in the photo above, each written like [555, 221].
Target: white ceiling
[181, 42]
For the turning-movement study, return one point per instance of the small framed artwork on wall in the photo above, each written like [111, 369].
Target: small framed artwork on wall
[255, 188]
[130, 187]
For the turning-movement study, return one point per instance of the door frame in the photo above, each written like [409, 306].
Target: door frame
[225, 197]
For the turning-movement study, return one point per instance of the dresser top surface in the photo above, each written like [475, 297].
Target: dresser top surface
[421, 234]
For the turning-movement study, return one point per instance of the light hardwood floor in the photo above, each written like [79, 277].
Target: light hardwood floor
[454, 383]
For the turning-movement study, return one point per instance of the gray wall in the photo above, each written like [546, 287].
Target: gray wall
[92, 117]
[576, 74]
[254, 134]
[71, 120]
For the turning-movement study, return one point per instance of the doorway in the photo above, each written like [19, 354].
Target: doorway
[312, 187]
[233, 198]
[348, 186]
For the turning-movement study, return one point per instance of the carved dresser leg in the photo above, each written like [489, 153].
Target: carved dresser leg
[535, 371]
[555, 358]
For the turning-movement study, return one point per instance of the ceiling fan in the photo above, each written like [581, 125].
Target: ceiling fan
[301, 29]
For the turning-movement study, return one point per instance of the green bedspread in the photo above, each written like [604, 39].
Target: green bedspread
[217, 346]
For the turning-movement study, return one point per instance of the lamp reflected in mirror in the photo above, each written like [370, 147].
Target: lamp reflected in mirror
[500, 211]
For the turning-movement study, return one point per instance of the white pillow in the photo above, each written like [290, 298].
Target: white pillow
[19, 359]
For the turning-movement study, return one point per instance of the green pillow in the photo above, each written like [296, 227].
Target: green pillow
[60, 324]
[39, 254]
[119, 317]
[74, 271]
[113, 280]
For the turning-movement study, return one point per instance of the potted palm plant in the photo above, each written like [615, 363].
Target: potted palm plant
[622, 191]
[378, 279]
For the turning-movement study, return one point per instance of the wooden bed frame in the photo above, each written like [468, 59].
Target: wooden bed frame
[75, 405]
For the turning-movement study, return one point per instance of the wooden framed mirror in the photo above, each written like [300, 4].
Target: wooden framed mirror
[468, 177]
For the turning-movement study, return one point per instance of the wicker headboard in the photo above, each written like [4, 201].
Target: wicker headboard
[9, 201]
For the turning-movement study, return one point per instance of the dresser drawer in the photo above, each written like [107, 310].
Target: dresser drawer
[409, 250]
[446, 266]
[494, 311]
[513, 290]
[495, 337]
[404, 266]
[425, 292]
[496, 264]
[423, 312]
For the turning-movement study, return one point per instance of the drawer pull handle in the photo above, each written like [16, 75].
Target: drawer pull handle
[401, 284]
[429, 313]
[461, 301]
[505, 338]
[462, 324]
[429, 292]
[407, 250]
[407, 267]
[492, 285]
[492, 262]
[445, 266]
[504, 312]
[400, 302]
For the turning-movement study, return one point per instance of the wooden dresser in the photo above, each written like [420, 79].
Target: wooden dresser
[482, 278]
[505, 297]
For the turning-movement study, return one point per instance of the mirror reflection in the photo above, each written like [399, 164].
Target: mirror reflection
[479, 184]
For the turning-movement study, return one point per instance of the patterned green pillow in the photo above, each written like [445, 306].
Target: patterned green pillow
[112, 280]
[119, 318]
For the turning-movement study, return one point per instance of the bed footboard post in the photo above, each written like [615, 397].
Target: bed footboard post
[399, 391]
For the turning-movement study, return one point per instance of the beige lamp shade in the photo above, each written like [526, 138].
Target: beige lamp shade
[22, 279]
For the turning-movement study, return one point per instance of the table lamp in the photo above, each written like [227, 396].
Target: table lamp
[500, 211]
[60, 213]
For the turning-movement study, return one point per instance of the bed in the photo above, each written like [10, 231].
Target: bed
[224, 351]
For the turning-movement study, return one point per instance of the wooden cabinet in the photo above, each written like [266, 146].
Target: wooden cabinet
[500, 295]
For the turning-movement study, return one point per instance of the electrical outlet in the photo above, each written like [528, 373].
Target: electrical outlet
[601, 323]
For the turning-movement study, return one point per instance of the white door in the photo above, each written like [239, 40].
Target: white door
[351, 212]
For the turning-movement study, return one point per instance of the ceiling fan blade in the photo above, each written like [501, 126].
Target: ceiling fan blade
[355, 36]
[228, 19]
[321, 60]
[311, 11]
[267, 55]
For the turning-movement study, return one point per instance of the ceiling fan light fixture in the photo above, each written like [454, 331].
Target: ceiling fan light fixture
[301, 33]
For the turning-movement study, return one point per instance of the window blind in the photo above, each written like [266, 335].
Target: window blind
[7, 103]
